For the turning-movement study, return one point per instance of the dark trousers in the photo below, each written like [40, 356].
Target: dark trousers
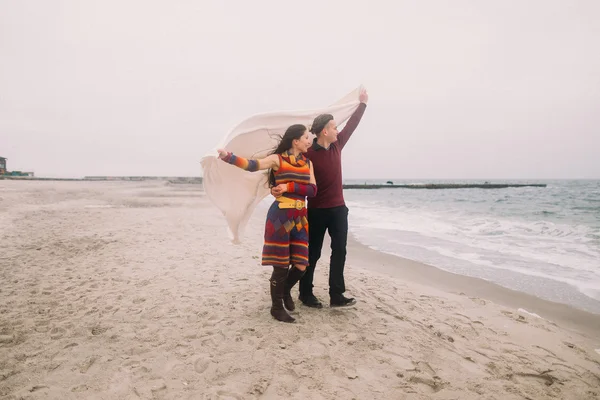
[334, 220]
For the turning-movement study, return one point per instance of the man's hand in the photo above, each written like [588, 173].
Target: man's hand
[279, 190]
[363, 97]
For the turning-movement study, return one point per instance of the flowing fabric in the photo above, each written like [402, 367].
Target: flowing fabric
[236, 192]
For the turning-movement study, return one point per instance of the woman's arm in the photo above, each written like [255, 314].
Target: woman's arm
[268, 162]
[302, 189]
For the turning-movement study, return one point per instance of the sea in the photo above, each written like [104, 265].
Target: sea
[540, 240]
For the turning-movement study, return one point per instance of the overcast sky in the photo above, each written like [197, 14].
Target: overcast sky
[458, 89]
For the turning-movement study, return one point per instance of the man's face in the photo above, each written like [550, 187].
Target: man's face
[331, 131]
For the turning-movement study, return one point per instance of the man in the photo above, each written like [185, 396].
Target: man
[327, 211]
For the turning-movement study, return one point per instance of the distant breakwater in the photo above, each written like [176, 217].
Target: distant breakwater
[445, 186]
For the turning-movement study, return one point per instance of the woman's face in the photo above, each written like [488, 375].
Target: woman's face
[303, 143]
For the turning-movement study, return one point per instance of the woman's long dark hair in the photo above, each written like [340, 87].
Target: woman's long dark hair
[292, 133]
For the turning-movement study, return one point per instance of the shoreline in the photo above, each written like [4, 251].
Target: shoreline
[430, 276]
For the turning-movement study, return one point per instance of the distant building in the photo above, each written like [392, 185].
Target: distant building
[4, 170]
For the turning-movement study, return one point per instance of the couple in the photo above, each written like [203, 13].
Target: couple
[301, 168]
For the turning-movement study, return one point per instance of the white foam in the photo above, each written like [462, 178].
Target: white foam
[524, 311]
[452, 237]
[588, 290]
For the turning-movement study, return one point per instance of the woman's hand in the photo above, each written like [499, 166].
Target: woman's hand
[222, 153]
[279, 190]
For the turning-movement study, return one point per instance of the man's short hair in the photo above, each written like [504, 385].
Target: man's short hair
[320, 122]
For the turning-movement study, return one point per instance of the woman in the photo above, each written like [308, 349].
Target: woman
[286, 228]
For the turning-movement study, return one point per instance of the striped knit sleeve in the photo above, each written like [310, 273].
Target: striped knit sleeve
[309, 190]
[241, 162]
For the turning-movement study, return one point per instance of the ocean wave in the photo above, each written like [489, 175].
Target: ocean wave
[552, 234]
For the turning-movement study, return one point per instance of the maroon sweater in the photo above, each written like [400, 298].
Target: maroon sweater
[327, 164]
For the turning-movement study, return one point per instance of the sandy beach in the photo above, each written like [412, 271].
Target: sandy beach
[123, 290]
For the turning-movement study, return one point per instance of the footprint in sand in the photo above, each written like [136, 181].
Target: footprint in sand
[228, 395]
[260, 387]
[426, 375]
[86, 364]
[93, 310]
[42, 326]
[57, 333]
[574, 347]
[515, 317]
[443, 336]
[548, 380]
[98, 330]
[550, 354]
[435, 383]
[424, 367]
[79, 389]
[39, 387]
[342, 316]
[201, 365]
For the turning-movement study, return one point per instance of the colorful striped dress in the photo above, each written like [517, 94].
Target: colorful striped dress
[286, 230]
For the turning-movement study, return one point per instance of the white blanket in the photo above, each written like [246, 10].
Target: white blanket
[237, 192]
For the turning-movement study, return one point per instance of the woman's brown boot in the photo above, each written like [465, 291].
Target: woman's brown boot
[277, 290]
[293, 276]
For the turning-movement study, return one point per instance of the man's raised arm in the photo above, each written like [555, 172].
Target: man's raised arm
[352, 123]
